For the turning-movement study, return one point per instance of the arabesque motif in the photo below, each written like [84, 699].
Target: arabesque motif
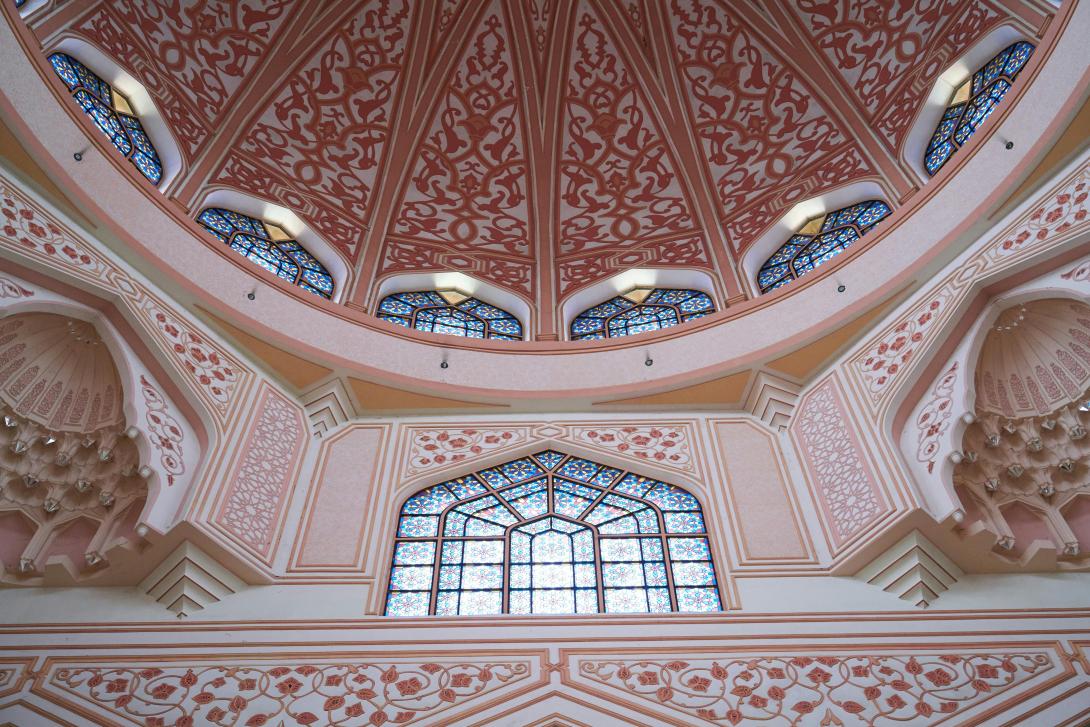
[934, 419]
[317, 693]
[865, 689]
[164, 431]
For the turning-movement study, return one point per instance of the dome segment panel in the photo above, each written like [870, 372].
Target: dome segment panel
[1035, 359]
[57, 372]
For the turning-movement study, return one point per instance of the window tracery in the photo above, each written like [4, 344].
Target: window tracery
[641, 310]
[973, 102]
[450, 312]
[270, 247]
[818, 241]
[111, 113]
[551, 533]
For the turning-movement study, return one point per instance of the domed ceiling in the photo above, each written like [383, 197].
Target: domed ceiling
[1035, 358]
[541, 145]
[56, 371]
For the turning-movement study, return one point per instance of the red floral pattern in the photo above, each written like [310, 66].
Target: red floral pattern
[619, 188]
[835, 690]
[432, 449]
[933, 420]
[27, 229]
[192, 58]
[10, 289]
[664, 444]
[164, 431]
[1079, 273]
[883, 361]
[890, 53]
[343, 694]
[316, 148]
[467, 192]
[761, 125]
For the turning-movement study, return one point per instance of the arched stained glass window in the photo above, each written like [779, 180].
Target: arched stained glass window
[270, 247]
[820, 240]
[640, 310]
[450, 312]
[974, 102]
[111, 113]
[551, 533]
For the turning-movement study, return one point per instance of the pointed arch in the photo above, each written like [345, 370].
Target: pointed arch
[111, 112]
[268, 246]
[551, 533]
[818, 241]
[640, 310]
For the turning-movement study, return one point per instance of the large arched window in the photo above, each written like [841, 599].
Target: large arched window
[820, 240]
[640, 310]
[450, 312]
[974, 102]
[111, 113]
[551, 533]
[270, 247]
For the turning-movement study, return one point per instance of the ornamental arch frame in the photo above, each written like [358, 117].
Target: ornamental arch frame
[715, 512]
[956, 72]
[147, 111]
[131, 362]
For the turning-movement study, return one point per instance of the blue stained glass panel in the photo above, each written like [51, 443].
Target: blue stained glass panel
[286, 259]
[624, 316]
[96, 98]
[558, 534]
[427, 310]
[961, 120]
[550, 459]
[802, 253]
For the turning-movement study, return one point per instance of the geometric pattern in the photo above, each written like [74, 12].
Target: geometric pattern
[259, 485]
[845, 487]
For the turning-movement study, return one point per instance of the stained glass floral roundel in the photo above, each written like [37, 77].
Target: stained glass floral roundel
[111, 113]
[269, 247]
[450, 312]
[820, 240]
[641, 310]
[551, 533]
[974, 102]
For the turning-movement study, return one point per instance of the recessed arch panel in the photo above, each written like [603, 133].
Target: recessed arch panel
[551, 533]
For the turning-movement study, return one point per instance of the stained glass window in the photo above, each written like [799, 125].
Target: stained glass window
[820, 240]
[111, 113]
[551, 533]
[451, 312]
[640, 310]
[269, 247]
[974, 102]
